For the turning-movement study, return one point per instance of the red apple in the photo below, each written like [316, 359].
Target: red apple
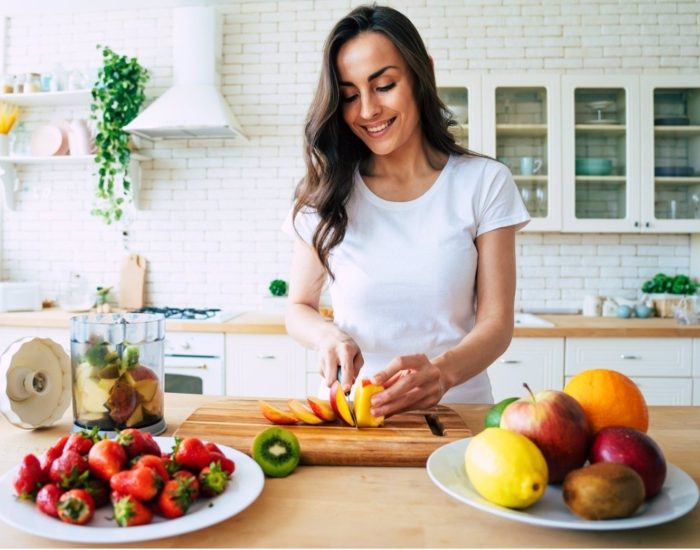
[634, 449]
[556, 423]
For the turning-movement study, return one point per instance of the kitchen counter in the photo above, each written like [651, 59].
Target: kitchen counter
[273, 323]
[338, 506]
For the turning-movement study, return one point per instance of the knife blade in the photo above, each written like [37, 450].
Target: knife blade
[350, 403]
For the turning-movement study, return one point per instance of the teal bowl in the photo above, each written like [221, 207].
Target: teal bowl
[593, 167]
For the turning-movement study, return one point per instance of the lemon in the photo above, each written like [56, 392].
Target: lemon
[506, 468]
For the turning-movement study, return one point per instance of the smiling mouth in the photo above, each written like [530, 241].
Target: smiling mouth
[379, 129]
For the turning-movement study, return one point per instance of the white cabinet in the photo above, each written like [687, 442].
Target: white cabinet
[265, 365]
[670, 155]
[461, 94]
[601, 159]
[11, 334]
[537, 361]
[522, 128]
[661, 367]
[696, 391]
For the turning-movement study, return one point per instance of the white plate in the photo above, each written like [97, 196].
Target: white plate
[446, 469]
[245, 486]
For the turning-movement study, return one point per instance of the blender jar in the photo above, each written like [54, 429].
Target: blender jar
[117, 369]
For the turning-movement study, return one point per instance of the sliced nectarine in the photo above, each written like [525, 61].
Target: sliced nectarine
[364, 391]
[302, 412]
[340, 404]
[275, 415]
[321, 408]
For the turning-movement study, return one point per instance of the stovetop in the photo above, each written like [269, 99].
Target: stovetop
[214, 315]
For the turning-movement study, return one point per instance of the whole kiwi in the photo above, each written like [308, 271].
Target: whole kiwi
[603, 491]
[277, 451]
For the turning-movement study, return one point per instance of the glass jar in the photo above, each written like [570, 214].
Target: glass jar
[19, 141]
[8, 84]
[117, 370]
[32, 83]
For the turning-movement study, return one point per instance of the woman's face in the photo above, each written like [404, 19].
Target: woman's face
[376, 93]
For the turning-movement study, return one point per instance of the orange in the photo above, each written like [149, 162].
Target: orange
[609, 398]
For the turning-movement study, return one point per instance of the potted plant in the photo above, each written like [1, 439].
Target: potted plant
[666, 291]
[117, 97]
[276, 300]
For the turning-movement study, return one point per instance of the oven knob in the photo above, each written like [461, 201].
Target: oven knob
[186, 345]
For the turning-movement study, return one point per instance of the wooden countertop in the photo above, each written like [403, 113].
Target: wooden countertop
[343, 506]
[273, 323]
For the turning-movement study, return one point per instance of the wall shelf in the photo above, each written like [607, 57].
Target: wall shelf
[48, 99]
[611, 179]
[521, 129]
[601, 128]
[10, 181]
[694, 180]
[533, 178]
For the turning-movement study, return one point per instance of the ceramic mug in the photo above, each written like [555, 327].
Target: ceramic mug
[530, 166]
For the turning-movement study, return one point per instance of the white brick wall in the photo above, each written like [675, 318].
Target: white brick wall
[211, 209]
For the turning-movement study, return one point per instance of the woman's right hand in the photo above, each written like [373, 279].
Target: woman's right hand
[340, 351]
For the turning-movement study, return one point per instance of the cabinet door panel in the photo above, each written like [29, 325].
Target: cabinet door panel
[646, 357]
[264, 366]
[663, 391]
[696, 391]
[537, 361]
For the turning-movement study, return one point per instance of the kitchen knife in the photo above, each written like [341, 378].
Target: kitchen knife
[350, 403]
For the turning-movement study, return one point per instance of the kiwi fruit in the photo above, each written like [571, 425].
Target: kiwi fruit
[605, 490]
[277, 451]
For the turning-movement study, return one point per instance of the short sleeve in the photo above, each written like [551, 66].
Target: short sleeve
[303, 225]
[501, 204]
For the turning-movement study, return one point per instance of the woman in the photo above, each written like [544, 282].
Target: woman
[415, 234]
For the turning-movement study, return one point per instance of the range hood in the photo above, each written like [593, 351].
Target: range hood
[194, 107]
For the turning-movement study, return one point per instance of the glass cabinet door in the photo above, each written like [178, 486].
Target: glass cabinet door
[602, 190]
[461, 94]
[523, 134]
[672, 175]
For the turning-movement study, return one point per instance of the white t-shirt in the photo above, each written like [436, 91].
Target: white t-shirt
[405, 271]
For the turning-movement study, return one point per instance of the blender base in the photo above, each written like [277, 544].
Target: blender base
[154, 429]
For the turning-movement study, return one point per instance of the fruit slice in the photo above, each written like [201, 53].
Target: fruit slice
[275, 415]
[146, 388]
[135, 418]
[277, 451]
[321, 408]
[303, 413]
[340, 404]
[363, 397]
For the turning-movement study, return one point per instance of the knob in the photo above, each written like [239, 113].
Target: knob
[648, 224]
[186, 345]
[636, 224]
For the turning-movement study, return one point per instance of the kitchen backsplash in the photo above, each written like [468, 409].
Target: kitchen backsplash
[211, 210]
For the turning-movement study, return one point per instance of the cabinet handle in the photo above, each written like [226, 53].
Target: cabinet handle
[636, 224]
[510, 361]
[648, 224]
[266, 357]
[632, 357]
[203, 366]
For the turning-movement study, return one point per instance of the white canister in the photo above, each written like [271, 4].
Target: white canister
[593, 306]
[609, 308]
[79, 138]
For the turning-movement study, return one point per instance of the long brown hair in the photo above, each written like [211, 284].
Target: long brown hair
[332, 151]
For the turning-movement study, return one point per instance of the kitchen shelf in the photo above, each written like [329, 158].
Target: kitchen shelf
[678, 180]
[602, 128]
[40, 99]
[677, 130]
[611, 179]
[534, 178]
[10, 181]
[521, 129]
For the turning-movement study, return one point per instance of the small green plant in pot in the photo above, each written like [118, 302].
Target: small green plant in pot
[117, 97]
[665, 291]
[278, 287]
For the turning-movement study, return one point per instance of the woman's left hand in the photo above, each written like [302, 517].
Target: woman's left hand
[410, 382]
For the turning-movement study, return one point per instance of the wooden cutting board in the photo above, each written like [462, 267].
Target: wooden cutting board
[404, 440]
[132, 279]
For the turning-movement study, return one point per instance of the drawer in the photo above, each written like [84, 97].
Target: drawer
[643, 357]
[537, 361]
[696, 391]
[664, 391]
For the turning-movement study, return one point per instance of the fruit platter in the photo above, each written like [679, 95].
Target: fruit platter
[135, 487]
[577, 459]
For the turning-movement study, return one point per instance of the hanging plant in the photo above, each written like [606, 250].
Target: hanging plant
[117, 97]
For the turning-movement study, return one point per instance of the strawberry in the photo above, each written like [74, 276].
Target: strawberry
[213, 480]
[141, 483]
[227, 465]
[150, 447]
[47, 499]
[51, 454]
[69, 470]
[76, 506]
[128, 511]
[98, 490]
[82, 441]
[133, 442]
[191, 481]
[212, 447]
[175, 499]
[106, 458]
[28, 478]
[155, 462]
[191, 453]
[170, 465]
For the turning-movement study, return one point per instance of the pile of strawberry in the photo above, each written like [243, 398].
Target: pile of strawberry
[83, 471]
